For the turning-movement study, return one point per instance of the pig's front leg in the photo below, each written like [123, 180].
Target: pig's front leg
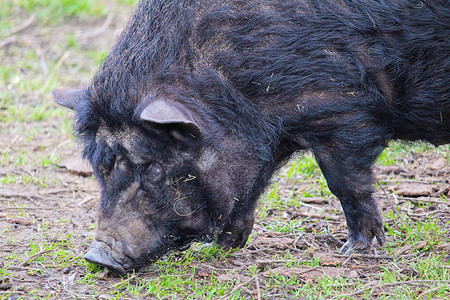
[347, 170]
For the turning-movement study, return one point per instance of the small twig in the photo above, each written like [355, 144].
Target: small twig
[58, 291]
[59, 146]
[10, 194]
[268, 272]
[123, 281]
[22, 26]
[61, 60]
[250, 251]
[7, 41]
[269, 261]
[443, 245]
[98, 32]
[39, 52]
[88, 199]
[412, 181]
[310, 206]
[11, 292]
[226, 296]
[222, 269]
[57, 191]
[331, 237]
[315, 200]
[296, 240]
[36, 208]
[348, 259]
[258, 289]
[65, 190]
[360, 291]
[429, 291]
[73, 294]
[11, 37]
[416, 201]
[25, 263]
[402, 250]
[58, 64]
[317, 216]
[12, 142]
[390, 203]
[372, 256]
[20, 269]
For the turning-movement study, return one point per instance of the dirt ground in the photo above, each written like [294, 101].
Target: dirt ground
[48, 208]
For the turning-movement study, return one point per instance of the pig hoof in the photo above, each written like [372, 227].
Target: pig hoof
[355, 246]
[359, 243]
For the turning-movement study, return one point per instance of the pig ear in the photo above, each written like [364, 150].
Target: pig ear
[68, 97]
[167, 112]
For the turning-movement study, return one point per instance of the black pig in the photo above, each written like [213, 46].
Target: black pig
[200, 101]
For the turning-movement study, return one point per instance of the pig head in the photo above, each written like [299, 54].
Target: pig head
[165, 183]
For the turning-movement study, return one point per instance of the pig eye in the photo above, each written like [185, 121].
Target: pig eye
[153, 172]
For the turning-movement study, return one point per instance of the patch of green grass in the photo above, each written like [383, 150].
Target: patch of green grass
[53, 253]
[128, 2]
[295, 226]
[8, 179]
[5, 158]
[98, 56]
[13, 13]
[387, 158]
[72, 41]
[400, 149]
[430, 271]
[302, 170]
[50, 160]
[268, 201]
[26, 179]
[21, 158]
[25, 113]
[304, 167]
[50, 11]
[416, 233]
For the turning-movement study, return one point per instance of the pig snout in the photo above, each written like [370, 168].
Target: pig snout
[100, 254]
[123, 244]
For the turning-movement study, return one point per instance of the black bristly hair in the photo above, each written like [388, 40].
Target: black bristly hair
[238, 64]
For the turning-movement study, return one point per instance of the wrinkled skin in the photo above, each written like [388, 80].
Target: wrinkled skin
[200, 101]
